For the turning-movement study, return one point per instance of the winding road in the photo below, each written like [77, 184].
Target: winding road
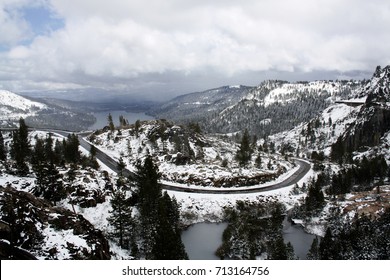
[304, 168]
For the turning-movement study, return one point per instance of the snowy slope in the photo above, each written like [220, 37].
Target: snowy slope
[348, 123]
[38, 114]
[289, 92]
[13, 106]
[275, 106]
[333, 122]
[188, 158]
[197, 105]
[13, 100]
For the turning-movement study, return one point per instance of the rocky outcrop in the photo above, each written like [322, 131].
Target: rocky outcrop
[34, 226]
[373, 120]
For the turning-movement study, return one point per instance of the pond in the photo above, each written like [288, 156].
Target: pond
[203, 239]
[299, 239]
[101, 118]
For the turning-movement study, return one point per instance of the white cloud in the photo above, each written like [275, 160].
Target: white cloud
[112, 42]
[13, 28]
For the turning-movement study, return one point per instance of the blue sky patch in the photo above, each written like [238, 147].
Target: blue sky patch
[41, 20]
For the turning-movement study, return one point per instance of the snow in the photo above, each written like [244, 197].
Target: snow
[60, 240]
[341, 115]
[18, 102]
[287, 92]
[207, 171]
[13, 106]
[197, 207]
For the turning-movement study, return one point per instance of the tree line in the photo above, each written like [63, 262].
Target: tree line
[153, 233]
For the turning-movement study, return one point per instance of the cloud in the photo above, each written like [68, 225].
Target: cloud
[111, 44]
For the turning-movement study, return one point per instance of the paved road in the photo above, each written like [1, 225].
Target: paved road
[304, 167]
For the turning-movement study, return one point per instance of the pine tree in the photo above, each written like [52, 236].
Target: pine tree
[92, 157]
[123, 122]
[168, 244]
[159, 216]
[38, 161]
[20, 148]
[121, 218]
[71, 149]
[148, 187]
[149, 192]
[314, 199]
[3, 153]
[244, 153]
[121, 166]
[54, 190]
[110, 123]
[278, 250]
[314, 251]
[137, 126]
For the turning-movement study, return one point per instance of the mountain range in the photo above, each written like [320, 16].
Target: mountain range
[271, 107]
[42, 113]
[342, 127]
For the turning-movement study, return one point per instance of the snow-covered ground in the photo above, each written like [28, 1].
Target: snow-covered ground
[333, 122]
[206, 168]
[13, 106]
[196, 207]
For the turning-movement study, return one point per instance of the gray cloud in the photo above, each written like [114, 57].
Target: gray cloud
[170, 47]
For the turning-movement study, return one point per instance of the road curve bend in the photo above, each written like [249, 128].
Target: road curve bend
[304, 168]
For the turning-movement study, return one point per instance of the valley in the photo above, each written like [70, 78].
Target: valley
[316, 153]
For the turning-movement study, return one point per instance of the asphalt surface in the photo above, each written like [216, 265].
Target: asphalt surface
[304, 167]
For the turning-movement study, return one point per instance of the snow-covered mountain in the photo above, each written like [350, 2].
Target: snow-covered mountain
[282, 104]
[40, 114]
[371, 129]
[357, 123]
[195, 106]
[13, 107]
[271, 107]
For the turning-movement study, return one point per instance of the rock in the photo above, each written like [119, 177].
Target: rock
[28, 217]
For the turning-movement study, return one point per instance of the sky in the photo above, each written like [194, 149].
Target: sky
[157, 49]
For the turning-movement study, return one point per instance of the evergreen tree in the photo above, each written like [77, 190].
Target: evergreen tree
[147, 177]
[92, 158]
[3, 153]
[149, 192]
[71, 149]
[121, 166]
[168, 244]
[159, 216]
[121, 218]
[49, 152]
[244, 153]
[20, 148]
[278, 250]
[39, 165]
[137, 126]
[123, 122]
[59, 152]
[314, 199]
[326, 246]
[54, 190]
[258, 161]
[110, 122]
[314, 251]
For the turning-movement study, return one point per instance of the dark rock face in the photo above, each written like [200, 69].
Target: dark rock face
[375, 122]
[25, 220]
[374, 117]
